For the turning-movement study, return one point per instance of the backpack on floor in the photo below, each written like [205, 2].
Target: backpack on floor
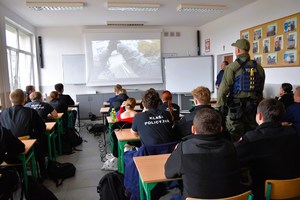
[58, 172]
[37, 191]
[111, 186]
[74, 137]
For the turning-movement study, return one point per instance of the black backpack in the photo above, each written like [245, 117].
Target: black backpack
[111, 186]
[58, 172]
[74, 137]
[37, 191]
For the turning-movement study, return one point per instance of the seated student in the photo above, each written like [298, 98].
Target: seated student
[201, 97]
[293, 112]
[116, 104]
[59, 87]
[10, 147]
[271, 151]
[153, 126]
[28, 91]
[117, 89]
[286, 95]
[41, 107]
[206, 161]
[167, 105]
[125, 119]
[128, 114]
[60, 107]
[22, 121]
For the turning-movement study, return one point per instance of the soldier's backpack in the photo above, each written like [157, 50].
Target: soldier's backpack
[249, 80]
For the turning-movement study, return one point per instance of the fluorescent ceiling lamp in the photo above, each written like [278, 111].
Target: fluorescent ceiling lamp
[122, 6]
[200, 8]
[55, 6]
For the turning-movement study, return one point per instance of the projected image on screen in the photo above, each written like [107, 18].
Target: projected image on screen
[125, 61]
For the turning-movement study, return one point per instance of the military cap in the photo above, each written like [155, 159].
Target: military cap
[242, 44]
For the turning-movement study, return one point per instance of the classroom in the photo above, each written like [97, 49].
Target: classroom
[66, 46]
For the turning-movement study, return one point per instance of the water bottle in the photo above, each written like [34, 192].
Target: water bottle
[113, 115]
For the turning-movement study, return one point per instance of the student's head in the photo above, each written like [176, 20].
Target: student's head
[117, 88]
[287, 87]
[59, 87]
[17, 97]
[269, 110]
[241, 46]
[207, 121]
[122, 91]
[201, 95]
[30, 89]
[151, 99]
[53, 95]
[166, 96]
[35, 96]
[224, 64]
[297, 95]
[130, 103]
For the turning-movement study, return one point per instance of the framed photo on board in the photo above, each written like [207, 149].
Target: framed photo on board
[275, 43]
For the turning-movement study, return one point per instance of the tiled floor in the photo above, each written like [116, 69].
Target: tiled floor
[88, 170]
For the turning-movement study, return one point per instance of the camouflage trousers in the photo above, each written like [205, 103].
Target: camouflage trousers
[241, 118]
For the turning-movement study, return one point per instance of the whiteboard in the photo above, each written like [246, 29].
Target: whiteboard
[183, 74]
[73, 69]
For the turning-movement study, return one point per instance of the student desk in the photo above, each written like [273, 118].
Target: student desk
[25, 157]
[110, 124]
[124, 135]
[50, 133]
[60, 128]
[70, 117]
[104, 111]
[76, 105]
[151, 171]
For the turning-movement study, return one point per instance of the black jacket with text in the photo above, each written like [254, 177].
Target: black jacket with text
[208, 165]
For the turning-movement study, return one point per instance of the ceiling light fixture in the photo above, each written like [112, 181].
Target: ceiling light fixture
[200, 8]
[55, 6]
[122, 6]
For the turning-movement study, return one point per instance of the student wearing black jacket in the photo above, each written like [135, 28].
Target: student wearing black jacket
[271, 151]
[22, 121]
[201, 97]
[206, 161]
[10, 147]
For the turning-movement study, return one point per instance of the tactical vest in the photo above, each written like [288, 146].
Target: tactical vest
[248, 80]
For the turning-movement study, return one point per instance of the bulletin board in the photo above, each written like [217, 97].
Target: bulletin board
[276, 43]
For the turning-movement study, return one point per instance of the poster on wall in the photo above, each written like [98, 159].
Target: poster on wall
[207, 45]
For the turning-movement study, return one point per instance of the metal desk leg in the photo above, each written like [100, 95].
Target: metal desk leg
[59, 133]
[121, 166]
[147, 187]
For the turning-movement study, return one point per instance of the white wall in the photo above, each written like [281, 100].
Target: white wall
[58, 41]
[226, 30]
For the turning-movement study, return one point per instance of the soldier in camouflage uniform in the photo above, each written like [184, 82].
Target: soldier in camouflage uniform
[240, 92]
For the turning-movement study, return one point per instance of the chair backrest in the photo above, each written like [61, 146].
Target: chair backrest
[282, 189]
[244, 196]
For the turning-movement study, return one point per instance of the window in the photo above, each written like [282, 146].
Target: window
[19, 44]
